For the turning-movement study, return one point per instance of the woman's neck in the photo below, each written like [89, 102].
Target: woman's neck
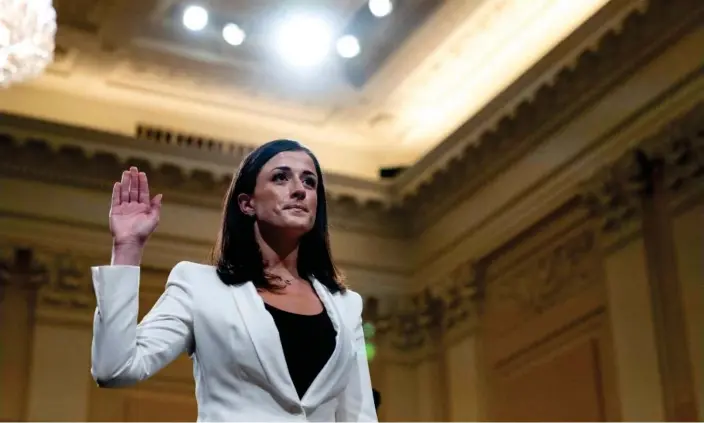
[280, 254]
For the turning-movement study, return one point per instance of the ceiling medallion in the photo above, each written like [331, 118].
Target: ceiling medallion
[27, 31]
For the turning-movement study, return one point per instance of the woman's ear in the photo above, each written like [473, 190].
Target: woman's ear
[245, 203]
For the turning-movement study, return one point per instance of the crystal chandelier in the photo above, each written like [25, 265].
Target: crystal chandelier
[27, 30]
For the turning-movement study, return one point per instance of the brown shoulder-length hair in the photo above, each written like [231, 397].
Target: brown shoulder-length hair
[236, 254]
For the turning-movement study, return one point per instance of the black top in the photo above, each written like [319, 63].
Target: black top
[307, 341]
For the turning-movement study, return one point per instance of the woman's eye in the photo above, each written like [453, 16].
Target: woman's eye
[311, 182]
[278, 177]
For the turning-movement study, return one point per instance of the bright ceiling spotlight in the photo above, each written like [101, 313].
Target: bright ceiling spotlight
[380, 8]
[233, 34]
[304, 40]
[348, 46]
[195, 18]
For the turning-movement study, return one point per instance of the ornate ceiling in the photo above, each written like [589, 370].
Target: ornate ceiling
[423, 71]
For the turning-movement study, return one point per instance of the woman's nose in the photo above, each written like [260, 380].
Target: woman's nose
[298, 191]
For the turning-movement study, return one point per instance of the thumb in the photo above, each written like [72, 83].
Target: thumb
[156, 202]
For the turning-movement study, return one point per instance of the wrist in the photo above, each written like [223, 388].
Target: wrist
[127, 254]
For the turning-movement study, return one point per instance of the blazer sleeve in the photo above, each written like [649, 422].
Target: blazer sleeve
[356, 404]
[124, 352]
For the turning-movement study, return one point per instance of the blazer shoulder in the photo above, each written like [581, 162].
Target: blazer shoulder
[353, 301]
[188, 272]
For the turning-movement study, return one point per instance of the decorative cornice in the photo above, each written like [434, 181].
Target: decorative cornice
[613, 197]
[95, 167]
[576, 86]
[680, 149]
[551, 277]
[615, 193]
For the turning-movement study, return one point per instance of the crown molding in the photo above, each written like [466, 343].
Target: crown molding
[517, 122]
[186, 174]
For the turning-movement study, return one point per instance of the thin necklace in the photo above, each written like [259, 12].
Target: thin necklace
[273, 277]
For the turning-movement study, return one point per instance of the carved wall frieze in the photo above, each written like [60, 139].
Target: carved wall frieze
[62, 281]
[554, 104]
[419, 320]
[19, 267]
[70, 284]
[551, 277]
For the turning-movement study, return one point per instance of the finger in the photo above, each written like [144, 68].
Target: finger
[156, 203]
[143, 188]
[125, 187]
[134, 184]
[116, 194]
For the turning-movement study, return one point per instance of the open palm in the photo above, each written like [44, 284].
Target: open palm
[133, 214]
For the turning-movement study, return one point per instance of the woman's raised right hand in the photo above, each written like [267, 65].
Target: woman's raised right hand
[133, 214]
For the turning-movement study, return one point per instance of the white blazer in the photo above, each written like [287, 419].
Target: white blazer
[238, 363]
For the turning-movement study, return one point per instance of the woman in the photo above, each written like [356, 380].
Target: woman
[273, 333]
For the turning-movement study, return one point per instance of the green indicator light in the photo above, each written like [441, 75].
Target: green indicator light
[371, 351]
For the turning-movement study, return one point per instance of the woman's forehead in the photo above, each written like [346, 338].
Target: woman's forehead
[295, 160]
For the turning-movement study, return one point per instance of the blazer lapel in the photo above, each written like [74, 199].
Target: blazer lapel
[336, 367]
[262, 331]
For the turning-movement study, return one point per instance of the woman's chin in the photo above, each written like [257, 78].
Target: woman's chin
[301, 226]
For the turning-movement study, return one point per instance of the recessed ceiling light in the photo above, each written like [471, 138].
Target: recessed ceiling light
[195, 18]
[348, 46]
[380, 8]
[304, 40]
[233, 34]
